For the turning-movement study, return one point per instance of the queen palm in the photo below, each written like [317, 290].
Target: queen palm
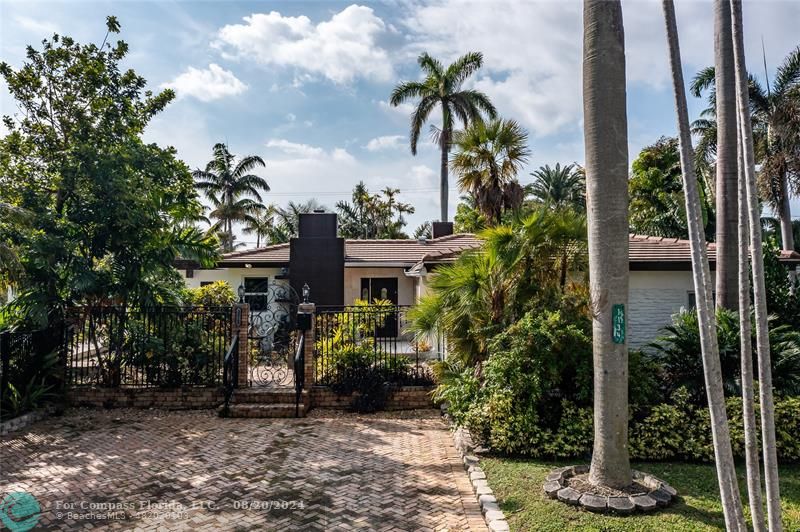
[234, 192]
[442, 87]
[559, 187]
[487, 159]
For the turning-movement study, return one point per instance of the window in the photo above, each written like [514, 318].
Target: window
[692, 300]
[205, 283]
[189, 273]
[256, 292]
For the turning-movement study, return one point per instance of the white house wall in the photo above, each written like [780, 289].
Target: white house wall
[655, 296]
[233, 276]
[353, 276]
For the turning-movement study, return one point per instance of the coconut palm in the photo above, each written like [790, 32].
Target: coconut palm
[775, 118]
[442, 87]
[260, 224]
[606, 141]
[559, 187]
[723, 453]
[487, 159]
[759, 288]
[234, 192]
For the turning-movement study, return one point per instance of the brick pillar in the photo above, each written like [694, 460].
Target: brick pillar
[309, 351]
[241, 314]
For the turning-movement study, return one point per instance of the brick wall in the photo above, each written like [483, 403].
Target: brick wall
[188, 398]
[401, 398]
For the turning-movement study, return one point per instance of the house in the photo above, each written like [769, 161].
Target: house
[339, 271]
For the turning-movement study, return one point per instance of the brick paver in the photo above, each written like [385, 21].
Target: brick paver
[152, 470]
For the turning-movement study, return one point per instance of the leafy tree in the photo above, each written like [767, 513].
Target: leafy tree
[107, 211]
[234, 191]
[487, 159]
[442, 87]
[560, 187]
[468, 218]
[656, 193]
[372, 216]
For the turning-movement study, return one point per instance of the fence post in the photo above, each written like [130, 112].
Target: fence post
[5, 356]
[309, 308]
[241, 325]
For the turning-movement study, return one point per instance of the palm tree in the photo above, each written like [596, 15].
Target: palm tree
[606, 141]
[775, 118]
[726, 208]
[759, 289]
[286, 220]
[261, 224]
[442, 87]
[723, 453]
[233, 191]
[559, 187]
[488, 157]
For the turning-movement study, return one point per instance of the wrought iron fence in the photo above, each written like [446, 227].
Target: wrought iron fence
[29, 368]
[353, 340]
[154, 347]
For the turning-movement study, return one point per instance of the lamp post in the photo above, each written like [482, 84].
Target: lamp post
[240, 290]
[306, 292]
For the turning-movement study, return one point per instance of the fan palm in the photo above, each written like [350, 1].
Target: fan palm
[234, 192]
[488, 157]
[559, 187]
[442, 87]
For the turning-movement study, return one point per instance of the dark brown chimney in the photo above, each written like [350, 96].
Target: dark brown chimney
[442, 229]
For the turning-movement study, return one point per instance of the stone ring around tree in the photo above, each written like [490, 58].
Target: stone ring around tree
[571, 485]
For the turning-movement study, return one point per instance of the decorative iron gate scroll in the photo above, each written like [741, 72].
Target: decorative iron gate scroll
[271, 334]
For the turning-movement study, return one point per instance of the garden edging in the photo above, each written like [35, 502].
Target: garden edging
[20, 422]
[494, 516]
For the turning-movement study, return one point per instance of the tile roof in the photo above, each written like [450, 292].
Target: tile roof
[643, 249]
[406, 252]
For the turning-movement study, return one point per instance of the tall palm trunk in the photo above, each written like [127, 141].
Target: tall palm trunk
[606, 140]
[759, 292]
[727, 211]
[444, 187]
[726, 473]
[746, 353]
[785, 216]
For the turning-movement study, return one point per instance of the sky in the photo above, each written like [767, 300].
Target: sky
[305, 85]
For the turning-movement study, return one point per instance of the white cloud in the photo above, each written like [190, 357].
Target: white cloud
[340, 49]
[295, 148]
[387, 142]
[36, 25]
[404, 109]
[207, 84]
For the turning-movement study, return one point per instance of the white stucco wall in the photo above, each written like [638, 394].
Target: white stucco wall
[352, 283]
[233, 276]
[654, 297]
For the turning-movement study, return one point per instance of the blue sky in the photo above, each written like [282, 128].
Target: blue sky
[305, 84]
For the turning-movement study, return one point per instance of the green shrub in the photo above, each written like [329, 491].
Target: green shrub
[216, 294]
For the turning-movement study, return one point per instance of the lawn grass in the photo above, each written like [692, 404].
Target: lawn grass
[518, 487]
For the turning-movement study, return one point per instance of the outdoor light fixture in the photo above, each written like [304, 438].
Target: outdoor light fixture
[240, 290]
[306, 292]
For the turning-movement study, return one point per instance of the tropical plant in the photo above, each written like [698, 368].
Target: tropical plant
[487, 159]
[372, 216]
[560, 187]
[216, 294]
[606, 141]
[656, 193]
[107, 210]
[442, 87]
[285, 223]
[234, 192]
[775, 117]
[261, 224]
[468, 218]
[483, 292]
[423, 230]
[723, 453]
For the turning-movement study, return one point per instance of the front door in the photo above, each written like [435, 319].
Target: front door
[383, 288]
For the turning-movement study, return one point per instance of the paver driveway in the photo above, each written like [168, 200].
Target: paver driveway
[152, 470]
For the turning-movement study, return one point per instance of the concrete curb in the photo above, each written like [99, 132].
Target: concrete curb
[494, 517]
[20, 422]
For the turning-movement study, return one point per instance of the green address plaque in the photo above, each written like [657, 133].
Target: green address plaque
[618, 322]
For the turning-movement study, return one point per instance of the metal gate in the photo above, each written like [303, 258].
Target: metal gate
[271, 334]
